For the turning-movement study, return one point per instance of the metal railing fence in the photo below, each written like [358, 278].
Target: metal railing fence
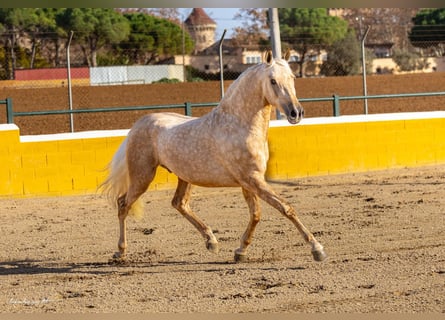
[187, 106]
[8, 103]
[336, 99]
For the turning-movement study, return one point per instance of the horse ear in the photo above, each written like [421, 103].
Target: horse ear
[268, 56]
[286, 55]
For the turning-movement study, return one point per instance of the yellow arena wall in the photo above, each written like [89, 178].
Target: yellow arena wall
[356, 144]
[75, 163]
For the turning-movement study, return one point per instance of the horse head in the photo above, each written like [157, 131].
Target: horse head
[279, 87]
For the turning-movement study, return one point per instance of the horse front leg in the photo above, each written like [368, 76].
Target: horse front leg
[266, 193]
[255, 215]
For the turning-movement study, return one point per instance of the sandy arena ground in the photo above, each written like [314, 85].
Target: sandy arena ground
[384, 233]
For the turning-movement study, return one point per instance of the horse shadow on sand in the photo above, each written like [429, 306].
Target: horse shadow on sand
[39, 267]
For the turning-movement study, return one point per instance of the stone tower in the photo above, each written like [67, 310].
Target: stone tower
[201, 28]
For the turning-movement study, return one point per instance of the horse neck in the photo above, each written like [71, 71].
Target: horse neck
[245, 101]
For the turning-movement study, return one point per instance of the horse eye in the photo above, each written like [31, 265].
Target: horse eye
[273, 81]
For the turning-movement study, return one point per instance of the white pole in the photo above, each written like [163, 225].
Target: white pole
[365, 90]
[70, 94]
[221, 66]
[184, 76]
[276, 40]
[275, 32]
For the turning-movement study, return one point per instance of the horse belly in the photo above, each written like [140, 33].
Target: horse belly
[202, 173]
[194, 162]
[211, 181]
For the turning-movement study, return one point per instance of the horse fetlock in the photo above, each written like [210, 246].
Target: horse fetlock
[122, 246]
[212, 246]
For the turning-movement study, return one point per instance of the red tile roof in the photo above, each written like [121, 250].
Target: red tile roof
[199, 17]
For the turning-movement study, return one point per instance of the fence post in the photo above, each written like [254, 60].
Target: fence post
[188, 109]
[336, 105]
[9, 112]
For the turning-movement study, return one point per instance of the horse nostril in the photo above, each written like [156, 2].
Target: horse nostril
[293, 114]
[301, 113]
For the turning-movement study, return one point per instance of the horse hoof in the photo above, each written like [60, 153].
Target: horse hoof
[212, 246]
[240, 257]
[118, 259]
[319, 255]
[119, 256]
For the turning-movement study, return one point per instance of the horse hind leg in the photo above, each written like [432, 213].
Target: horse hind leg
[139, 182]
[123, 210]
[255, 215]
[180, 202]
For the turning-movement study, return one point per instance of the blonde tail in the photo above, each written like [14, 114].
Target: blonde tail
[118, 181]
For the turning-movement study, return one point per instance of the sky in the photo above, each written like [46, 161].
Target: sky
[223, 18]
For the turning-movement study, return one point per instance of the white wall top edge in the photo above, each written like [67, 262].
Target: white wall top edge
[75, 135]
[273, 123]
[363, 118]
[8, 127]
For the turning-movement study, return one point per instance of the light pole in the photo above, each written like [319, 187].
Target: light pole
[70, 93]
[276, 40]
[362, 40]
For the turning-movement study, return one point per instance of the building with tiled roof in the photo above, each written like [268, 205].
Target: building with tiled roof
[202, 29]
[205, 57]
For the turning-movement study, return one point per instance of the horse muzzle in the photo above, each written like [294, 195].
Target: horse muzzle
[295, 114]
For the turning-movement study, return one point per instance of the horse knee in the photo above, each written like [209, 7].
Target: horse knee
[179, 204]
[256, 219]
[288, 211]
[175, 203]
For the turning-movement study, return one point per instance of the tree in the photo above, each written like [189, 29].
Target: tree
[309, 30]
[170, 14]
[429, 30]
[30, 33]
[153, 39]
[343, 57]
[13, 24]
[409, 61]
[254, 27]
[44, 35]
[93, 28]
[388, 25]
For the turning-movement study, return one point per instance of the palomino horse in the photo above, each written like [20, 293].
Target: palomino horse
[224, 148]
